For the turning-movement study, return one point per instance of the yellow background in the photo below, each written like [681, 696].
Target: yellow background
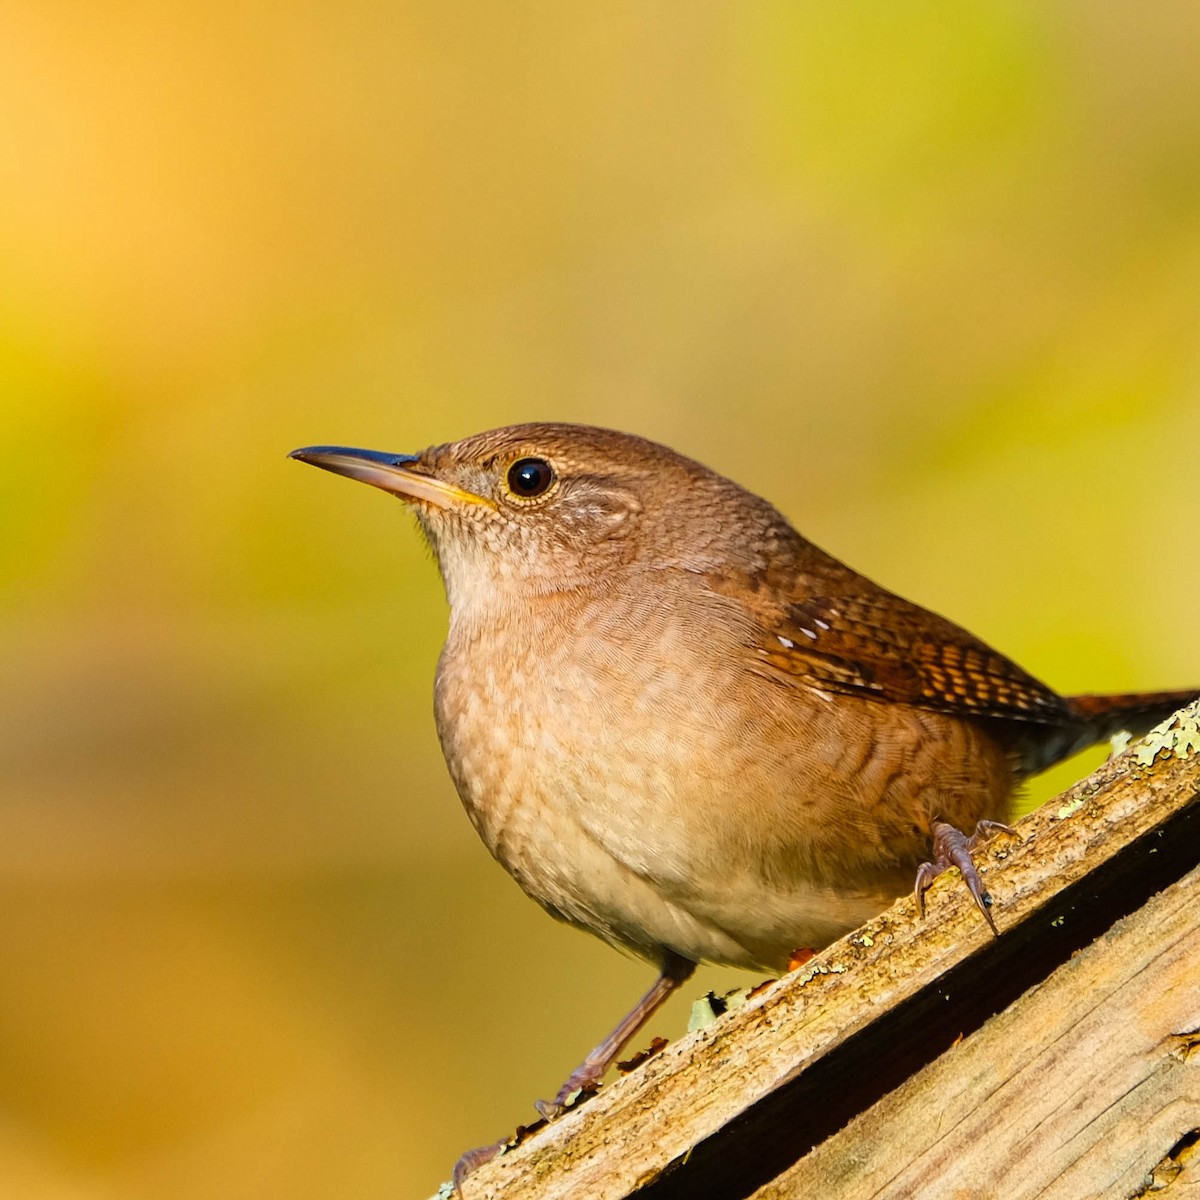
[927, 276]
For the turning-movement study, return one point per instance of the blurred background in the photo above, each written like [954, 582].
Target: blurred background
[928, 277]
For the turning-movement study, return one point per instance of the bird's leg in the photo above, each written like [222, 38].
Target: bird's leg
[589, 1073]
[952, 848]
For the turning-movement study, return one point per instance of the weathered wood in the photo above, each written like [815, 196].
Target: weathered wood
[1077, 1090]
[730, 1108]
[1177, 1175]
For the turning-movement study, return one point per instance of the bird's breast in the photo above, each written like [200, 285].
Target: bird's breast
[637, 777]
[551, 731]
[585, 759]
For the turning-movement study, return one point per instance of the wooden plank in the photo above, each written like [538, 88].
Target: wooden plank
[1078, 1089]
[1177, 1175]
[732, 1106]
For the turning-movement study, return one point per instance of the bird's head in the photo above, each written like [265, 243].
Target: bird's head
[542, 508]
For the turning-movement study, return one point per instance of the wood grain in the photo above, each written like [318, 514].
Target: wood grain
[1077, 1090]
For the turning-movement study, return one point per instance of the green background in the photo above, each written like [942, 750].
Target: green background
[926, 276]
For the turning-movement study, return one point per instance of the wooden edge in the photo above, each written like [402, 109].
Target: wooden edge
[1079, 1088]
[1079, 862]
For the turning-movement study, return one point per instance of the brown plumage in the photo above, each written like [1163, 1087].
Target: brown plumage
[682, 726]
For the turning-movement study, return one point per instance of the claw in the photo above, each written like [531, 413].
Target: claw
[573, 1092]
[952, 848]
[472, 1160]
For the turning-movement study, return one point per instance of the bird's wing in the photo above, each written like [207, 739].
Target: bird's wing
[824, 625]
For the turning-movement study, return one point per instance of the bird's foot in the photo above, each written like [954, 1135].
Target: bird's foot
[583, 1082]
[952, 848]
[473, 1160]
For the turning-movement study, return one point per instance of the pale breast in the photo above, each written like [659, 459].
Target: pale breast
[731, 822]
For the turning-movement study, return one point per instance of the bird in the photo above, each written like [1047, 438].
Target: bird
[683, 727]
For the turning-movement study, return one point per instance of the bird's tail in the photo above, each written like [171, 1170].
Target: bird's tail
[1098, 718]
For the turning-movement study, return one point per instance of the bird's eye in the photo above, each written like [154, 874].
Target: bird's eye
[530, 477]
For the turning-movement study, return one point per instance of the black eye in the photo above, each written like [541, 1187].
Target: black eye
[529, 477]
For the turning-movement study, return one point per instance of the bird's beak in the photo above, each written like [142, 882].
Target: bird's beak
[391, 472]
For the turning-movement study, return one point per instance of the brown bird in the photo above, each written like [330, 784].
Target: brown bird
[681, 726]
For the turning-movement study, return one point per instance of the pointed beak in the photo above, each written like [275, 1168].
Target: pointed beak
[392, 472]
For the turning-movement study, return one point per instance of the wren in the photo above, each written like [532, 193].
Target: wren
[680, 725]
